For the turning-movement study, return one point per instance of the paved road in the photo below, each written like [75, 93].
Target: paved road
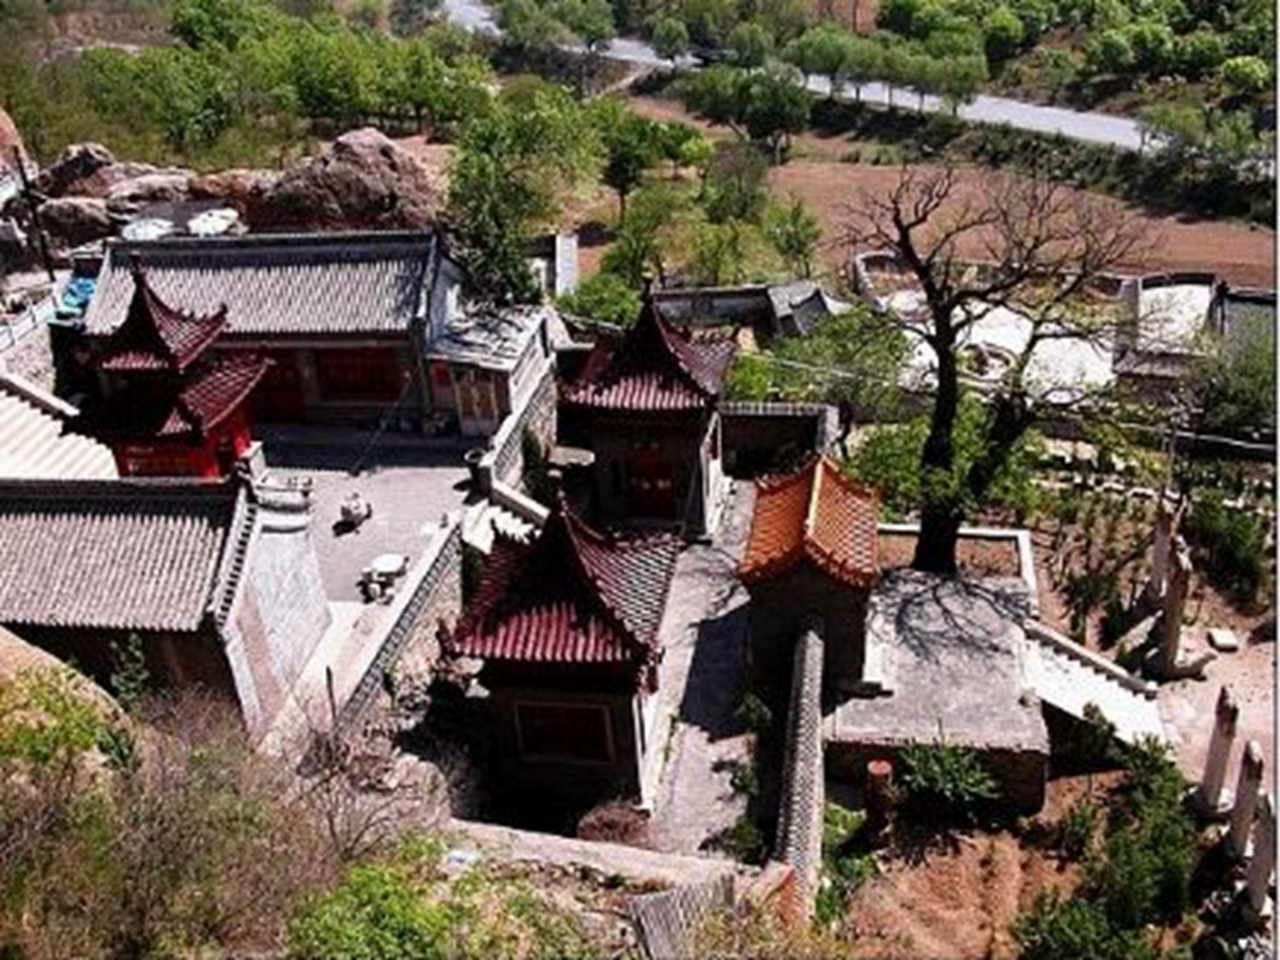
[1089, 127]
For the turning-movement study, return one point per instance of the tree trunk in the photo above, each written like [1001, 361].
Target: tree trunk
[939, 533]
[940, 521]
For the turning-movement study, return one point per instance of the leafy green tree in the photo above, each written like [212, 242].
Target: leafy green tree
[223, 23]
[719, 254]
[1153, 46]
[1200, 53]
[1004, 33]
[751, 44]
[1109, 52]
[591, 21]
[631, 145]
[670, 39]
[511, 166]
[603, 296]
[776, 107]
[961, 78]
[530, 27]
[794, 232]
[821, 51]
[864, 62]
[1248, 75]
[637, 248]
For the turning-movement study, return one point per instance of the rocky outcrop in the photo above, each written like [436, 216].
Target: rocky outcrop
[89, 170]
[9, 139]
[75, 220]
[238, 187]
[156, 186]
[363, 182]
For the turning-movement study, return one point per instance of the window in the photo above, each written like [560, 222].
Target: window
[360, 375]
[562, 731]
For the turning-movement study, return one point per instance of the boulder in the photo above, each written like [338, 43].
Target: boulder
[158, 186]
[364, 181]
[72, 221]
[238, 187]
[9, 140]
[77, 162]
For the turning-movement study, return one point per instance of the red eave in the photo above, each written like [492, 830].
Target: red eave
[155, 336]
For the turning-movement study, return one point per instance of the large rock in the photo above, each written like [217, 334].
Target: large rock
[76, 220]
[237, 187]
[363, 182]
[157, 186]
[9, 140]
[78, 162]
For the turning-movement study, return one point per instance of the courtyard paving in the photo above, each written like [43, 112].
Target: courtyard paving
[703, 676]
[409, 487]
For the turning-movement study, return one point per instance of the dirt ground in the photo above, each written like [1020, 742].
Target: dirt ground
[977, 558]
[960, 895]
[1243, 254]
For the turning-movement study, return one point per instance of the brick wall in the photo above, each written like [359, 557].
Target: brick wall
[798, 843]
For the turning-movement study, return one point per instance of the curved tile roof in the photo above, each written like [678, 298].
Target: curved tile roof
[156, 336]
[114, 554]
[653, 366]
[820, 514]
[571, 596]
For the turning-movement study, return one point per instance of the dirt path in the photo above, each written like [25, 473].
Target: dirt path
[959, 898]
[1243, 254]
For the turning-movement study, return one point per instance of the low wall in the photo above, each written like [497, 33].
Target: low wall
[432, 592]
[504, 460]
[669, 924]
[713, 306]
[1020, 774]
[799, 839]
[756, 436]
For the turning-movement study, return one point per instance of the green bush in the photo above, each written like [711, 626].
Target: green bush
[946, 779]
[743, 841]
[1058, 929]
[374, 914]
[604, 296]
[844, 866]
[1075, 830]
[1231, 545]
[754, 713]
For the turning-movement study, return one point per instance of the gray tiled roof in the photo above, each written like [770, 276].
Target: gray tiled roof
[112, 554]
[276, 284]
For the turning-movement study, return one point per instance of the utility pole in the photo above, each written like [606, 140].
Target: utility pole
[27, 194]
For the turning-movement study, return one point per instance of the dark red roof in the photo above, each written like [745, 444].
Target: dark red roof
[206, 396]
[573, 595]
[155, 336]
[818, 513]
[653, 366]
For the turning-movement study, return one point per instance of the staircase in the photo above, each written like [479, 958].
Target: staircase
[1067, 676]
[33, 444]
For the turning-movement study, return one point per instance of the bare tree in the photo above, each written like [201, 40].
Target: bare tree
[1013, 243]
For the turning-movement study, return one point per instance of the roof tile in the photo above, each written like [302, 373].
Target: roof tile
[818, 513]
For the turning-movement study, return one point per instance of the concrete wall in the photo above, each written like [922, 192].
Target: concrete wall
[279, 612]
[779, 606]
[505, 459]
[1021, 774]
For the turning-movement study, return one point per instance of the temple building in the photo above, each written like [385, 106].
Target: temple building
[567, 627]
[812, 553]
[646, 403]
[164, 404]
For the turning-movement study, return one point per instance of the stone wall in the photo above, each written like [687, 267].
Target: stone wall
[800, 812]
[761, 437]
[277, 613]
[433, 589]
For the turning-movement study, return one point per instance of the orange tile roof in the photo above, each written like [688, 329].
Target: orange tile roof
[818, 513]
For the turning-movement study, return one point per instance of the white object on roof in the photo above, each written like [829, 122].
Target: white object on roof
[213, 223]
[148, 228]
[1223, 639]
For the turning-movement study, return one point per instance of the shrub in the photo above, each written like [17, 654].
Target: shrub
[754, 713]
[1057, 929]
[606, 297]
[743, 841]
[1246, 74]
[948, 779]
[1075, 830]
[844, 866]
[1231, 545]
